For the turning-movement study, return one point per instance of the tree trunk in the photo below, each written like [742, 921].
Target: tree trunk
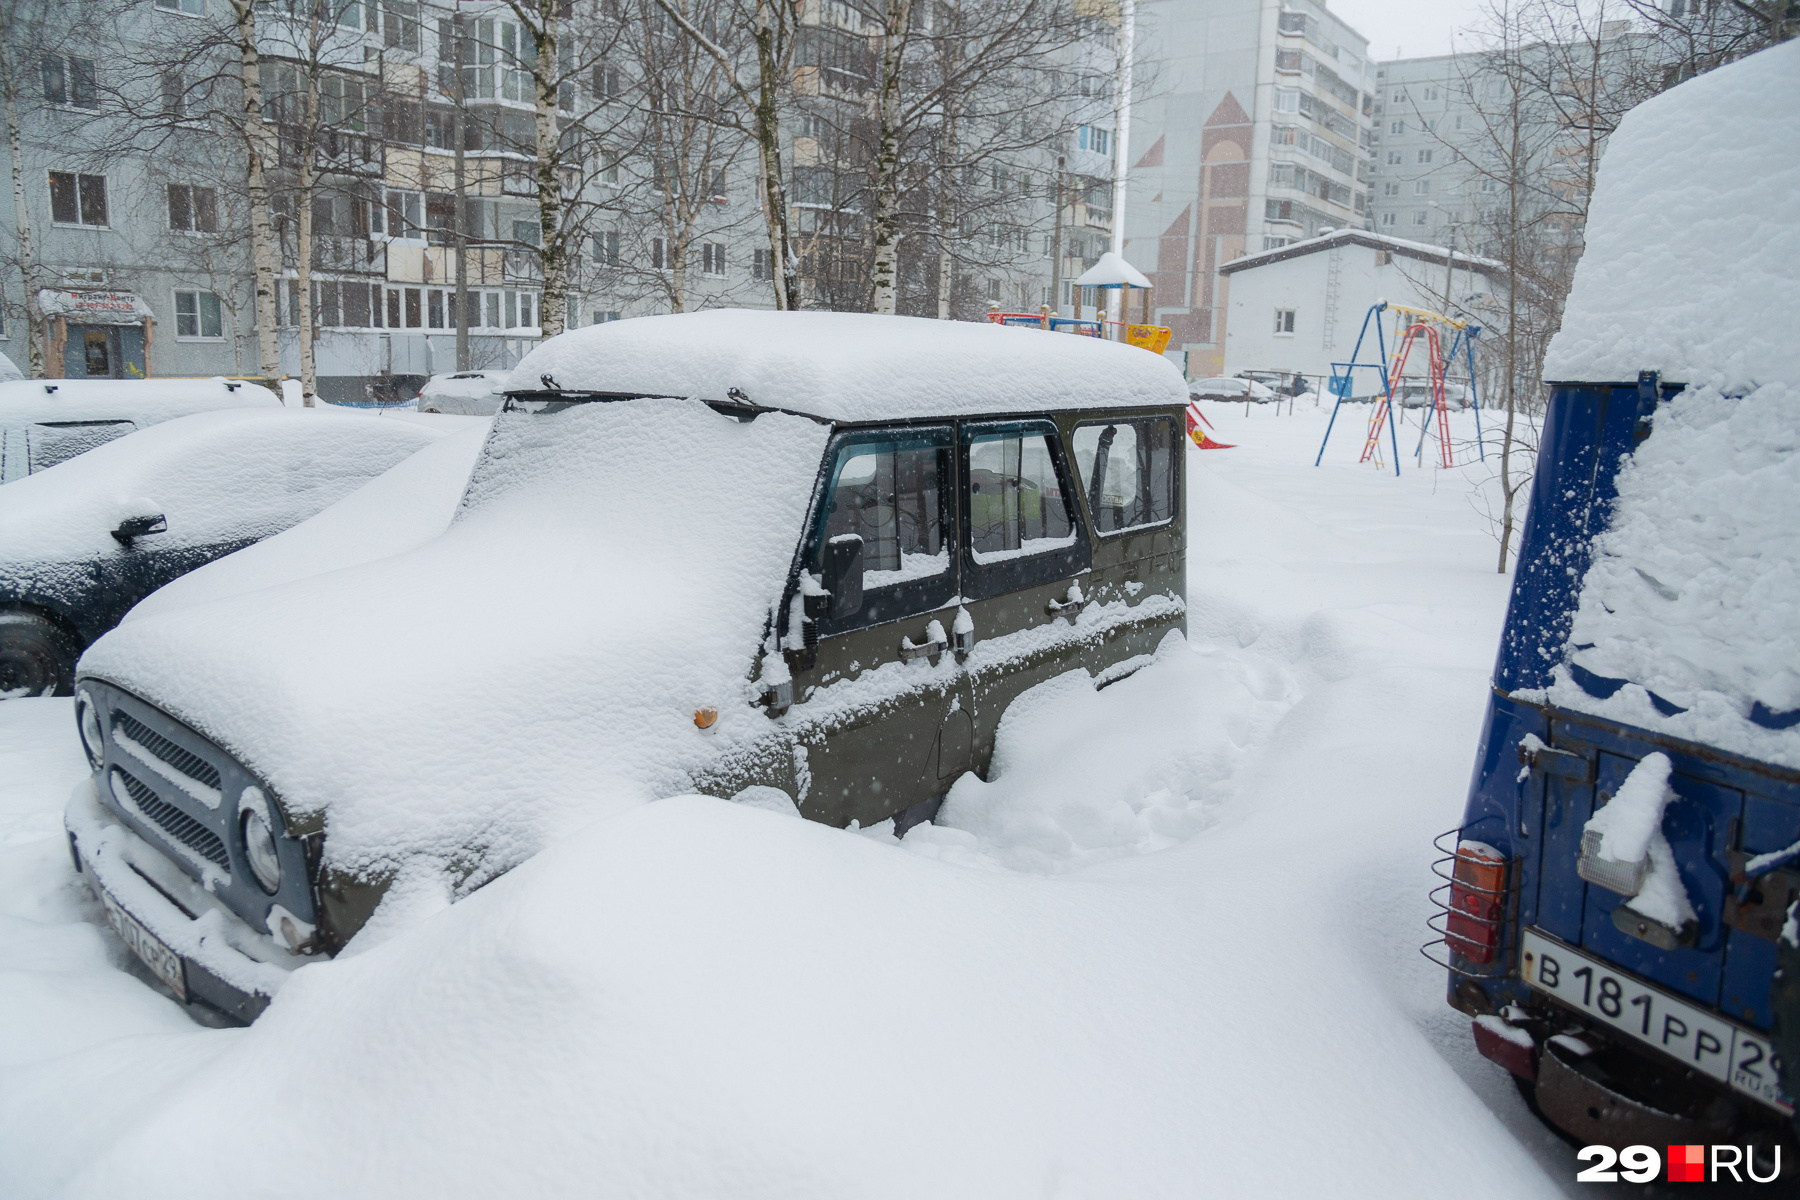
[768, 154]
[887, 157]
[1507, 489]
[260, 150]
[947, 218]
[309, 379]
[34, 316]
[458, 118]
[553, 310]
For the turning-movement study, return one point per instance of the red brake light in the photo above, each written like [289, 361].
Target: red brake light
[1477, 901]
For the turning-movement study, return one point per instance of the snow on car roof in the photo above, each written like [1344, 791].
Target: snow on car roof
[611, 569]
[852, 366]
[27, 400]
[1692, 265]
[215, 476]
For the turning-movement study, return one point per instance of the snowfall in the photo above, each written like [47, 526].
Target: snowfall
[1169, 948]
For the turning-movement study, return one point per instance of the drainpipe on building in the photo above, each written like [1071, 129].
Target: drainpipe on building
[1122, 147]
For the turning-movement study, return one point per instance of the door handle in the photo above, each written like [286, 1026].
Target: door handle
[1070, 606]
[935, 644]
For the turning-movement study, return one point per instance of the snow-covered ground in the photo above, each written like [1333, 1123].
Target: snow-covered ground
[1170, 949]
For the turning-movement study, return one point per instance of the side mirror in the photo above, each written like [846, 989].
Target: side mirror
[844, 574]
[137, 527]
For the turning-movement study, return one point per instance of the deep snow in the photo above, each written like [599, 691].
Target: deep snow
[1169, 949]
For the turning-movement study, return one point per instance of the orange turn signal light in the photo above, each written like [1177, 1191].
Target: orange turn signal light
[705, 717]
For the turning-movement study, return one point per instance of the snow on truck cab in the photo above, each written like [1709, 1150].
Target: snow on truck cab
[806, 559]
[1622, 898]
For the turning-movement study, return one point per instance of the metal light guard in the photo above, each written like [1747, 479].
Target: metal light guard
[1451, 957]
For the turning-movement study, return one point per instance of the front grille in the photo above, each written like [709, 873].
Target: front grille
[177, 824]
[185, 761]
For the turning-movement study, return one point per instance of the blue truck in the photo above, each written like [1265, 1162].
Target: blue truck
[1620, 1029]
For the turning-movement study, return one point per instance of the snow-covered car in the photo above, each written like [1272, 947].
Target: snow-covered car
[1416, 393]
[1231, 389]
[810, 564]
[85, 540]
[466, 393]
[47, 421]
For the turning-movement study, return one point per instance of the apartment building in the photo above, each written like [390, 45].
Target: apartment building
[1253, 131]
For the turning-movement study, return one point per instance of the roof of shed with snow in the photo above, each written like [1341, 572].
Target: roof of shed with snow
[852, 366]
[1422, 251]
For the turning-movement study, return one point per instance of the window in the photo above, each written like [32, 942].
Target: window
[1424, 156]
[198, 315]
[434, 309]
[1490, 186]
[659, 253]
[1393, 158]
[1275, 243]
[405, 215]
[1422, 187]
[413, 314]
[1390, 189]
[1420, 217]
[77, 199]
[1396, 126]
[528, 232]
[194, 8]
[606, 83]
[1457, 122]
[759, 265]
[712, 258]
[1284, 320]
[193, 209]
[1287, 100]
[1431, 93]
[174, 95]
[891, 490]
[1399, 95]
[1387, 218]
[1016, 503]
[1092, 137]
[1128, 472]
[606, 248]
[70, 80]
[602, 316]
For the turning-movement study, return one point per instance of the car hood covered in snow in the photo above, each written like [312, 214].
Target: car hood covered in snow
[611, 569]
[217, 477]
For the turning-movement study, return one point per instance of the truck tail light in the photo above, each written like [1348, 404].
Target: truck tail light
[1477, 901]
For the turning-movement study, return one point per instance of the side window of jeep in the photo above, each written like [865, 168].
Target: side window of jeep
[891, 490]
[1127, 472]
[1021, 516]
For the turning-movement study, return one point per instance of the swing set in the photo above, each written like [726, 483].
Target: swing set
[1411, 326]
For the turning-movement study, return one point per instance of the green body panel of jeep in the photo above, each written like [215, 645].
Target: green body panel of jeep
[869, 763]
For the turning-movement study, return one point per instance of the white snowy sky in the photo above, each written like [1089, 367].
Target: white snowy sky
[1409, 28]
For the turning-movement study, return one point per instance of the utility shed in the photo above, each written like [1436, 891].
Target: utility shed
[1300, 307]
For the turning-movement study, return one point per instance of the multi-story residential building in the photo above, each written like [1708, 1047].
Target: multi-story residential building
[136, 191]
[1253, 131]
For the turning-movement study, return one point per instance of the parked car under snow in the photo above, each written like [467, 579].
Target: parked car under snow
[1231, 389]
[465, 393]
[82, 542]
[802, 558]
[44, 422]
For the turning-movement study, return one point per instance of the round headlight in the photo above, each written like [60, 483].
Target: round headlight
[87, 720]
[259, 849]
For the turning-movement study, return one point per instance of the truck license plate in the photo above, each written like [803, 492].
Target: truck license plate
[163, 962]
[1693, 1036]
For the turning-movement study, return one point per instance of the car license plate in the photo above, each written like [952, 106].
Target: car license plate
[1693, 1036]
[163, 962]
